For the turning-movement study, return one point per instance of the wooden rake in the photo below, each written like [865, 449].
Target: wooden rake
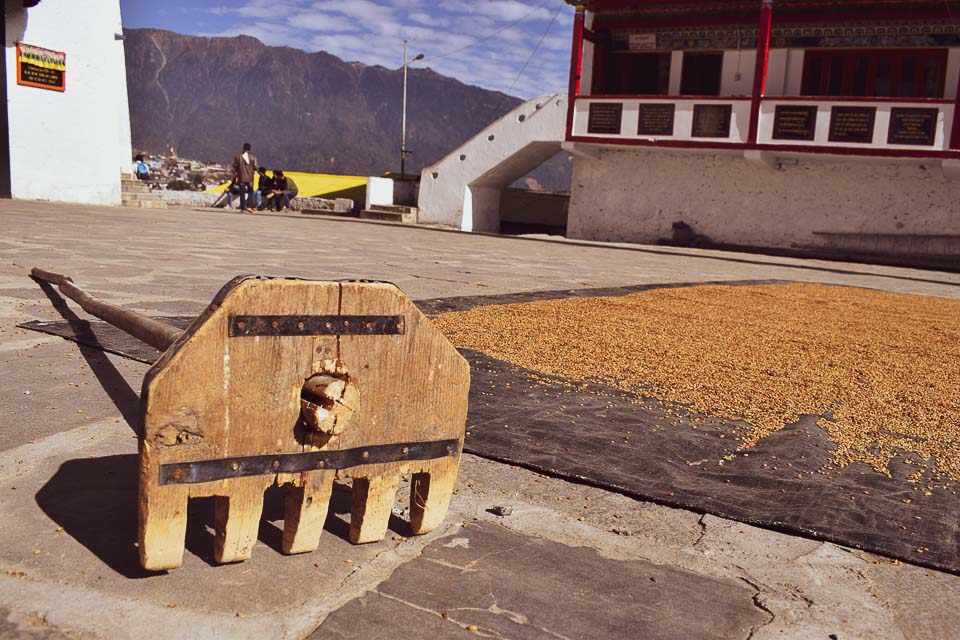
[291, 382]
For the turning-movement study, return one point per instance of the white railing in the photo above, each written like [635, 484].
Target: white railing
[663, 118]
[881, 124]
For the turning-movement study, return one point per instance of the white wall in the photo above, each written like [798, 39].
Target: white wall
[953, 74]
[793, 80]
[738, 63]
[727, 199]
[379, 191]
[676, 72]
[70, 146]
[586, 72]
[462, 190]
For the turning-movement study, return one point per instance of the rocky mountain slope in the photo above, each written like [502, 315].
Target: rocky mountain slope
[301, 111]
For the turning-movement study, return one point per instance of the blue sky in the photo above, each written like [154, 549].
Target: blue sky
[372, 32]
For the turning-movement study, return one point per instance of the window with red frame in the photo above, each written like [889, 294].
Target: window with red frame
[632, 73]
[875, 73]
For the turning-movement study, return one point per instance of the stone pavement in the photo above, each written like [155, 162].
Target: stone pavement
[571, 561]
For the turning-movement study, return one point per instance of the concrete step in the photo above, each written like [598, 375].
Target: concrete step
[368, 214]
[159, 203]
[145, 196]
[892, 244]
[393, 208]
[129, 188]
[380, 213]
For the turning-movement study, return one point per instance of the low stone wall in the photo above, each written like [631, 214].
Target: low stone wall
[198, 199]
[722, 199]
[190, 198]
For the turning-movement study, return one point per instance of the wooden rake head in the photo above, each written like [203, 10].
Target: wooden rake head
[295, 383]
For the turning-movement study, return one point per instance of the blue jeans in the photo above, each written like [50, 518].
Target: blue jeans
[283, 199]
[247, 198]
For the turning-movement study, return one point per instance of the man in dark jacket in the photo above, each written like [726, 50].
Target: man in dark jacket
[264, 189]
[285, 190]
[244, 166]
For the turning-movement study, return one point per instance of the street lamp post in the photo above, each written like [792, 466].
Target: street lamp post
[403, 126]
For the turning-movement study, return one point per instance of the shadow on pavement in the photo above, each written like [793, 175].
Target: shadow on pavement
[124, 398]
[95, 501]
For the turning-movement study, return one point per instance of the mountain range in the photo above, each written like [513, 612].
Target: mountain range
[205, 97]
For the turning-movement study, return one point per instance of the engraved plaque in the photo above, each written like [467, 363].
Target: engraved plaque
[605, 117]
[913, 126]
[711, 120]
[852, 124]
[656, 119]
[795, 122]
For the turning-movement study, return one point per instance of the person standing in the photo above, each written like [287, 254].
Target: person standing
[244, 167]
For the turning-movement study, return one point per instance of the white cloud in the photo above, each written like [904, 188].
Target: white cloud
[497, 36]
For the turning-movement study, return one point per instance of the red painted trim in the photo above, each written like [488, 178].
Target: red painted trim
[678, 144]
[955, 131]
[822, 99]
[784, 148]
[576, 67]
[662, 98]
[760, 72]
[817, 99]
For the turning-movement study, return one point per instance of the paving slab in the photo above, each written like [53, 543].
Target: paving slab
[72, 470]
[499, 583]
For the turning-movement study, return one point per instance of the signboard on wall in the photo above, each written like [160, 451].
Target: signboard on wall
[605, 117]
[913, 126]
[41, 68]
[642, 41]
[656, 119]
[795, 122]
[852, 124]
[711, 120]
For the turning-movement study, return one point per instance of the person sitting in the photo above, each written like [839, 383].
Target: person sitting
[143, 171]
[233, 189]
[284, 190]
[264, 189]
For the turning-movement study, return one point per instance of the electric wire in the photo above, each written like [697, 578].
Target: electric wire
[489, 36]
[536, 48]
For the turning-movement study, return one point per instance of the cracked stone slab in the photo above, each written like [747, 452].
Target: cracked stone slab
[512, 585]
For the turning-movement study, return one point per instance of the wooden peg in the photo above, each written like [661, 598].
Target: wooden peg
[373, 498]
[236, 519]
[430, 492]
[306, 511]
[163, 528]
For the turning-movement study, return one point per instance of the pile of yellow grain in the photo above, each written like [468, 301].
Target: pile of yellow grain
[886, 365]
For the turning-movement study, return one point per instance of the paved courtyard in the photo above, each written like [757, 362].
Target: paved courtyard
[621, 568]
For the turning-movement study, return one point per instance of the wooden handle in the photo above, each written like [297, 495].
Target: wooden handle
[159, 335]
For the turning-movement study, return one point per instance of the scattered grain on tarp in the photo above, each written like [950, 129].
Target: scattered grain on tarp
[883, 368]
